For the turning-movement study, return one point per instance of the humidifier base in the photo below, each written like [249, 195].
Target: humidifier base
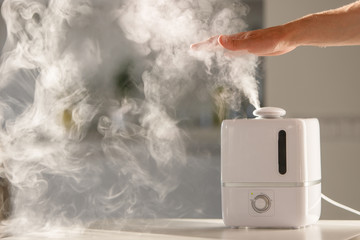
[271, 207]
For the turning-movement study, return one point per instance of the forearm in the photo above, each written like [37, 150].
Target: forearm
[336, 27]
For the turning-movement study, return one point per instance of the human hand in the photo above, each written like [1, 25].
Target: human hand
[263, 42]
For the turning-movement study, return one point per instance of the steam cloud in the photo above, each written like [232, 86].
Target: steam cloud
[74, 145]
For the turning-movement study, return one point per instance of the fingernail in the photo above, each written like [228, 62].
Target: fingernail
[223, 39]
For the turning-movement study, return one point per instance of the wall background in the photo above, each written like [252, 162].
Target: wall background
[322, 83]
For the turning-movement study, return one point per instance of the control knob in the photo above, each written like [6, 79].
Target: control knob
[261, 203]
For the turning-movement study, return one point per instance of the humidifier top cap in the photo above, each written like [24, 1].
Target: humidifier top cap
[269, 112]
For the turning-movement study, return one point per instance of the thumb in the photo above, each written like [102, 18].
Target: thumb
[229, 42]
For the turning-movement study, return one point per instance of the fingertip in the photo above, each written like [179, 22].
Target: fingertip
[194, 46]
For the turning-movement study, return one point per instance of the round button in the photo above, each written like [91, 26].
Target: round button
[261, 203]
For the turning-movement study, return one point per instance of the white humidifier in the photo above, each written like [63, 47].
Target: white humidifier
[270, 171]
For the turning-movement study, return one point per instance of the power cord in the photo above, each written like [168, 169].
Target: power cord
[329, 200]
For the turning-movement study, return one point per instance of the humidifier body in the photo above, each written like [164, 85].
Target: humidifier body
[270, 172]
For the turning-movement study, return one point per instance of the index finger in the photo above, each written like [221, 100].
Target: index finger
[210, 44]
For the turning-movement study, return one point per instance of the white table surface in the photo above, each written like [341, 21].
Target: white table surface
[191, 229]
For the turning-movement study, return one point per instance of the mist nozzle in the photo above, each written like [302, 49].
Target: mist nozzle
[269, 112]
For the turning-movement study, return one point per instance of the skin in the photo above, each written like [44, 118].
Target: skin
[337, 27]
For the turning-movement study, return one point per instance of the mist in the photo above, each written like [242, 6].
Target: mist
[91, 97]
